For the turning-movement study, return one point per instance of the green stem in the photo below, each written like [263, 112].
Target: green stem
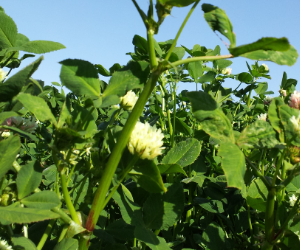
[250, 223]
[116, 154]
[180, 30]
[62, 214]
[198, 58]
[83, 243]
[249, 98]
[258, 174]
[121, 178]
[63, 233]
[45, 235]
[153, 62]
[269, 216]
[68, 198]
[142, 14]
[70, 174]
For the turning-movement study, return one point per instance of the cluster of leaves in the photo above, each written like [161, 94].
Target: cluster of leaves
[225, 177]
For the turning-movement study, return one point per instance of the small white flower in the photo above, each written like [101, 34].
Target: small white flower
[146, 141]
[293, 199]
[37, 122]
[2, 74]
[88, 151]
[226, 71]
[75, 151]
[128, 101]
[266, 67]
[262, 117]
[5, 134]
[268, 100]
[4, 245]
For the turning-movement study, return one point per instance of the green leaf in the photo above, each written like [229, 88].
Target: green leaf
[214, 237]
[265, 43]
[207, 77]
[67, 244]
[40, 47]
[109, 101]
[257, 195]
[182, 127]
[20, 215]
[120, 230]
[259, 134]
[81, 77]
[140, 43]
[245, 77]
[212, 206]
[14, 84]
[213, 121]
[288, 57]
[8, 31]
[184, 153]
[294, 185]
[170, 169]
[261, 88]
[218, 20]
[160, 245]
[102, 71]
[161, 211]
[42, 200]
[23, 243]
[195, 70]
[5, 115]
[21, 132]
[177, 3]
[222, 64]
[28, 178]
[21, 39]
[130, 77]
[37, 106]
[9, 149]
[273, 116]
[147, 175]
[233, 164]
[199, 179]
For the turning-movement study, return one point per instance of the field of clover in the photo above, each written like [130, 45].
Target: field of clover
[133, 164]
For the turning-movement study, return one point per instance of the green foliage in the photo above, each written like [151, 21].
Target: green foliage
[218, 21]
[226, 173]
[8, 151]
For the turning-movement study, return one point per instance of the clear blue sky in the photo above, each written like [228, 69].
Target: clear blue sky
[102, 31]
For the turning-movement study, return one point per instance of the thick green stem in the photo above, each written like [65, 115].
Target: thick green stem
[116, 154]
[269, 216]
[45, 235]
[153, 62]
[180, 30]
[68, 198]
[121, 178]
[198, 58]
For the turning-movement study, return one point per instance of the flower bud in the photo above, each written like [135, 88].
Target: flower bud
[226, 71]
[262, 117]
[266, 67]
[128, 101]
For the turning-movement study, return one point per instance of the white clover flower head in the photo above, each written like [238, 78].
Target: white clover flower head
[4, 245]
[266, 67]
[295, 100]
[293, 199]
[5, 134]
[295, 121]
[3, 74]
[262, 117]
[146, 141]
[282, 92]
[226, 71]
[128, 101]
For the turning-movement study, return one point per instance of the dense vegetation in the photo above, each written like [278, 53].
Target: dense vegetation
[132, 164]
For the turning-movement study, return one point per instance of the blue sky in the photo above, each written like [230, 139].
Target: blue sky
[102, 31]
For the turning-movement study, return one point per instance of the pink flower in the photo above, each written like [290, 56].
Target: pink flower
[295, 100]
